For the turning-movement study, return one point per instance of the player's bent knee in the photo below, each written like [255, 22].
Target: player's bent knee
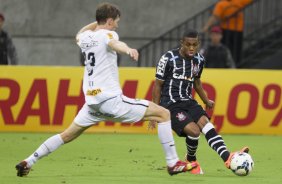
[157, 113]
[164, 114]
[195, 133]
[192, 130]
[202, 122]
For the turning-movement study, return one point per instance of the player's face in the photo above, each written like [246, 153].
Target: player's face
[189, 46]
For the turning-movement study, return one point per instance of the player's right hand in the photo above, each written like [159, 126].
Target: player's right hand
[210, 104]
[133, 53]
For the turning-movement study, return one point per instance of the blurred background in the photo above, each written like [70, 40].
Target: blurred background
[43, 31]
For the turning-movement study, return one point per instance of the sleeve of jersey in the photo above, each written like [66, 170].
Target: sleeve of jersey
[162, 68]
[201, 69]
[111, 35]
[81, 38]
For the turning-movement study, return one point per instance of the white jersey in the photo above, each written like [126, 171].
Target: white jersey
[101, 80]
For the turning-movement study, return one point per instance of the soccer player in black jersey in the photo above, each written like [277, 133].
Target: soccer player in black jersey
[177, 72]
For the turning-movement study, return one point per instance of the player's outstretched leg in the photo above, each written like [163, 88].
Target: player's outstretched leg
[44, 149]
[50, 145]
[216, 142]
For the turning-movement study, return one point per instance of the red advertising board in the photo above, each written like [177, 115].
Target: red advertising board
[46, 99]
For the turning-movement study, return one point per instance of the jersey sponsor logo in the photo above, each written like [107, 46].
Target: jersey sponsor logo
[178, 76]
[161, 66]
[183, 77]
[180, 116]
[91, 43]
[110, 35]
[97, 114]
[93, 92]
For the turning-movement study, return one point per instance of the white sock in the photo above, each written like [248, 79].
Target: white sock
[207, 128]
[167, 141]
[44, 149]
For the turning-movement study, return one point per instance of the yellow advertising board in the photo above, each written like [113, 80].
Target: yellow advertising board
[46, 99]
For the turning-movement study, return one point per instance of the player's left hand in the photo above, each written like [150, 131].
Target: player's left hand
[210, 104]
[152, 125]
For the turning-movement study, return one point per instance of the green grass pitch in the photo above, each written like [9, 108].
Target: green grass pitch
[133, 158]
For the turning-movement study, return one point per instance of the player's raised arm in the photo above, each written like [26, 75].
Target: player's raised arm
[122, 47]
[92, 26]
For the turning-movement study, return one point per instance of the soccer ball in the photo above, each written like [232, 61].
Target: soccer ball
[241, 164]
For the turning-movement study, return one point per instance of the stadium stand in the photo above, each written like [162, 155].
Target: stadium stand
[262, 36]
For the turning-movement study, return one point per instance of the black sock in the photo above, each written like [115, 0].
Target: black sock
[192, 145]
[216, 142]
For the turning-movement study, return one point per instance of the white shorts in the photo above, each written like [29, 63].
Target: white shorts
[117, 109]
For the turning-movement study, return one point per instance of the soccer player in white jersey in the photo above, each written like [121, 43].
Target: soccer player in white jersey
[103, 95]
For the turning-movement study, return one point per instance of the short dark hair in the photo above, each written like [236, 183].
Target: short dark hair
[191, 33]
[105, 11]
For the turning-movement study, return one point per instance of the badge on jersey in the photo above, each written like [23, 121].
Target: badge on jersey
[110, 35]
[181, 116]
[195, 69]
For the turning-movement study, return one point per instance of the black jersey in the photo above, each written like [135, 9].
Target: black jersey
[178, 75]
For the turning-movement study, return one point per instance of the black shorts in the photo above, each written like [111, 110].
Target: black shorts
[183, 113]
